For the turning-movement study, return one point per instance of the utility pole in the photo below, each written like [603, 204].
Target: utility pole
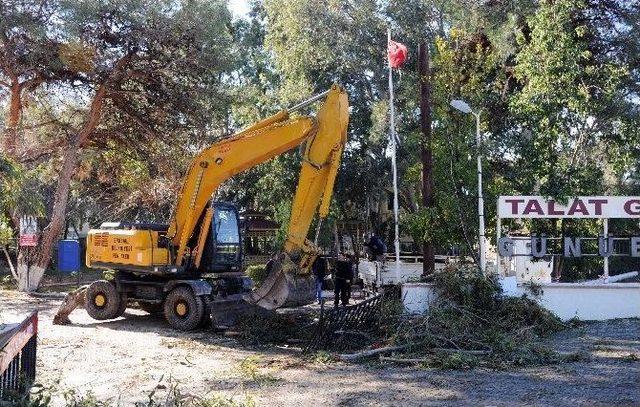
[426, 154]
[481, 238]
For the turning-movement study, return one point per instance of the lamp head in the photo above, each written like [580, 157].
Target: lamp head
[461, 105]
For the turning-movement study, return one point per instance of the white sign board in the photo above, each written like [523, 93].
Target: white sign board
[28, 231]
[581, 207]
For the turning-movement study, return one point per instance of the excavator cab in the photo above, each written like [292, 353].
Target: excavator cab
[223, 249]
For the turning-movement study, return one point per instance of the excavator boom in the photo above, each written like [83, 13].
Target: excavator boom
[324, 136]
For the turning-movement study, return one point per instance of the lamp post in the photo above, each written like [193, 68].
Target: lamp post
[463, 107]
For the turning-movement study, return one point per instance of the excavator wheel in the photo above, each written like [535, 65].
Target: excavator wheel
[183, 310]
[123, 305]
[103, 301]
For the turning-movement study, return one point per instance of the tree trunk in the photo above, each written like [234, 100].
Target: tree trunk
[13, 120]
[31, 266]
[10, 262]
[29, 273]
[426, 155]
[73, 300]
[336, 239]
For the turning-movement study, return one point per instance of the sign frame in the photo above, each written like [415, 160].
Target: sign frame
[579, 207]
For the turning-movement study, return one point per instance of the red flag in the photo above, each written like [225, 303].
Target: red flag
[397, 54]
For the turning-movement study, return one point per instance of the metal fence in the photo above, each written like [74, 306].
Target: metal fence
[350, 327]
[18, 357]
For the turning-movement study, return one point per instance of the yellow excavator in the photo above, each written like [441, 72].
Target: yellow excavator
[191, 269]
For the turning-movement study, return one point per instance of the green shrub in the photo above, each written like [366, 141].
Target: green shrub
[257, 273]
[7, 282]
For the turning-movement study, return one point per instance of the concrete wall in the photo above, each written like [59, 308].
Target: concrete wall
[417, 297]
[592, 302]
[588, 302]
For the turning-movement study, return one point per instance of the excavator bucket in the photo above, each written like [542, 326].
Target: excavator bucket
[228, 312]
[284, 286]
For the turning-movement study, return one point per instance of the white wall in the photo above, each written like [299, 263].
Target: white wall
[566, 300]
[592, 302]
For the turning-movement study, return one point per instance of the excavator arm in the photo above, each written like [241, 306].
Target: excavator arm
[324, 137]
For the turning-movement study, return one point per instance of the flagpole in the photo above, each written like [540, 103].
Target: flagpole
[392, 133]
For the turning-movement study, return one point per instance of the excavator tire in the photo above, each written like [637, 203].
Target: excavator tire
[123, 304]
[183, 310]
[103, 301]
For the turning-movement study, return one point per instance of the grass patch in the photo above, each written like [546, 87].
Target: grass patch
[250, 371]
[321, 357]
[42, 397]
[222, 401]
[257, 273]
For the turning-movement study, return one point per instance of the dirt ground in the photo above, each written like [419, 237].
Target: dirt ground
[123, 360]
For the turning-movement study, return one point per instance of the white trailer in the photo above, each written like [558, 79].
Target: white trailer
[376, 274]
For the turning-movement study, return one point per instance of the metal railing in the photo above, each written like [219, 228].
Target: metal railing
[342, 328]
[18, 357]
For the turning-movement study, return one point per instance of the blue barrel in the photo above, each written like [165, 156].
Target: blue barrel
[68, 256]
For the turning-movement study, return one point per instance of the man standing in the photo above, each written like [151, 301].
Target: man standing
[342, 279]
[319, 269]
[376, 247]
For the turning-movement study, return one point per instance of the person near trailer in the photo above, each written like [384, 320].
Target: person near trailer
[319, 269]
[376, 248]
[343, 275]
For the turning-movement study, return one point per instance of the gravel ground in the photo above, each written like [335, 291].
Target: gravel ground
[123, 360]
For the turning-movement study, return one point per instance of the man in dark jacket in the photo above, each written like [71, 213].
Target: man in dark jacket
[343, 276]
[376, 247]
[319, 269]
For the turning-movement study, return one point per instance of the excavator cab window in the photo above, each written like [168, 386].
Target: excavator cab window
[227, 242]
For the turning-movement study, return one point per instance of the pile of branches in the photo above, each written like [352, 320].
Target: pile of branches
[274, 328]
[472, 323]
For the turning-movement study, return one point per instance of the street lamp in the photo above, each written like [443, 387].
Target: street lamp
[464, 107]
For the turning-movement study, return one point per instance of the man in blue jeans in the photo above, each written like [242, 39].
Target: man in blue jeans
[319, 269]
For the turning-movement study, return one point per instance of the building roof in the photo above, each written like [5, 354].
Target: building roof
[253, 224]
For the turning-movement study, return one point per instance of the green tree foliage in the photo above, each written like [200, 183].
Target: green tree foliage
[567, 106]
[317, 44]
[132, 91]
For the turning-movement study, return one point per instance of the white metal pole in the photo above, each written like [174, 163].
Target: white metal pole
[482, 243]
[392, 134]
[606, 259]
[498, 235]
